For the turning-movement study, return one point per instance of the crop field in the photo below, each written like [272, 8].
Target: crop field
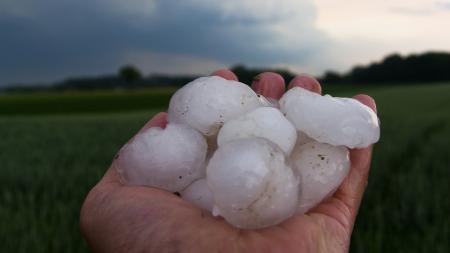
[54, 148]
[71, 102]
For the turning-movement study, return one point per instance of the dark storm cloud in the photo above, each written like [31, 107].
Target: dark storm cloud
[56, 41]
[59, 38]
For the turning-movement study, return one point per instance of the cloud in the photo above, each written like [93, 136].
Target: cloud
[235, 31]
[53, 39]
[443, 5]
[423, 9]
[413, 11]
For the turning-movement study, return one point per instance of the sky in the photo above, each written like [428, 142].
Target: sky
[49, 40]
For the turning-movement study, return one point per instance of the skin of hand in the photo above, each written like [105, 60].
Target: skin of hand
[120, 218]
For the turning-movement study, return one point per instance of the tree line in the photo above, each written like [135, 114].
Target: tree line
[415, 68]
[426, 67]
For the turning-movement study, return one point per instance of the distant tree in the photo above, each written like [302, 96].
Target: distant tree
[244, 74]
[130, 74]
[331, 77]
[426, 67]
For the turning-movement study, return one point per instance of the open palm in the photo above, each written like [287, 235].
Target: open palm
[120, 218]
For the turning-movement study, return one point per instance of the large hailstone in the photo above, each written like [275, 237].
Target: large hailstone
[321, 168]
[207, 103]
[199, 194]
[252, 185]
[265, 122]
[332, 120]
[169, 158]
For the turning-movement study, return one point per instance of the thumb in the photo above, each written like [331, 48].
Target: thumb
[112, 175]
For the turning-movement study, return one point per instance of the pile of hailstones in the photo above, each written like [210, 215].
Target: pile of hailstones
[253, 161]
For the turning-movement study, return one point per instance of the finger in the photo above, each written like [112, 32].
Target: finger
[367, 100]
[269, 84]
[159, 120]
[226, 74]
[306, 82]
[352, 189]
[111, 175]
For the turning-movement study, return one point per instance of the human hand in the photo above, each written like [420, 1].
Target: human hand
[120, 218]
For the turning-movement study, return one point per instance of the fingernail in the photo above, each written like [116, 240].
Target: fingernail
[305, 82]
[306, 85]
[367, 100]
[226, 74]
[263, 87]
[268, 84]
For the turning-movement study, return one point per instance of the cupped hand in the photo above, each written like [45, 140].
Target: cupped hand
[120, 218]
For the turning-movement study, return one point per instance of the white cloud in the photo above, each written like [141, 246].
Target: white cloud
[366, 30]
[443, 5]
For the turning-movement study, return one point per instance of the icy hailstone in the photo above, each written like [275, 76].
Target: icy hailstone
[252, 185]
[265, 122]
[321, 168]
[207, 103]
[332, 120]
[199, 194]
[169, 158]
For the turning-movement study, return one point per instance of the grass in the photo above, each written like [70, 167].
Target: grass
[50, 160]
[70, 102]
[84, 102]
[48, 166]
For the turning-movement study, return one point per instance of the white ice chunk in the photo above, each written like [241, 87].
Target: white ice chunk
[321, 168]
[199, 194]
[207, 103]
[265, 122]
[252, 185]
[170, 158]
[332, 120]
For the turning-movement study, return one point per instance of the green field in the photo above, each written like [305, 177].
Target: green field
[53, 149]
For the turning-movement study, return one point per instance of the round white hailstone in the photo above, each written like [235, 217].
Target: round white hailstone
[336, 121]
[199, 194]
[252, 185]
[265, 122]
[321, 168]
[169, 158]
[207, 103]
